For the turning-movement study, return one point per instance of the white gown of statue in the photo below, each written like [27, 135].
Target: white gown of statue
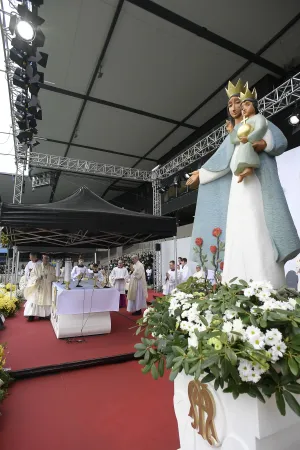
[249, 253]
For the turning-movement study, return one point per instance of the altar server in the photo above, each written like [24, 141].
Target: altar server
[185, 271]
[137, 293]
[118, 278]
[33, 257]
[38, 291]
[94, 272]
[170, 283]
[79, 271]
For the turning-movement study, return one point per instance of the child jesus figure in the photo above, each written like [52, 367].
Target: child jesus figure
[253, 128]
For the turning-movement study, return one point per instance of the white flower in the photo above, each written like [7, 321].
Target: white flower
[273, 336]
[227, 327]
[257, 341]
[229, 314]
[252, 331]
[254, 377]
[264, 295]
[238, 304]
[268, 305]
[292, 302]
[249, 292]
[193, 340]
[280, 347]
[244, 368]
[208, 315]
[238, 326]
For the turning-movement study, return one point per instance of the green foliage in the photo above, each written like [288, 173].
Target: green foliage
[214, 354]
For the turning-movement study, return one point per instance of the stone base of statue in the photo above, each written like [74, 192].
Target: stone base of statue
[213, 419]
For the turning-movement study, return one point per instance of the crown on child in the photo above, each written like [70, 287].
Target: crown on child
[234, 89]
[247, 94]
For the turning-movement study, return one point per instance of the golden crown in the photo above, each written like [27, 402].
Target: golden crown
[247, 94]
[234, 89]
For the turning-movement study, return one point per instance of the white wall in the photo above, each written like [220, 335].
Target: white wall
[289, 173]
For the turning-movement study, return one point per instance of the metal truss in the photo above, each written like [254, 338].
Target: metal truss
[20, 152]
[277, 100]
[157, 275]
[66, 164]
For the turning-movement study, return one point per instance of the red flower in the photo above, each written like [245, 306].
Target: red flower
[217, 232]
[222, 265]
[213, 249]
[199, 242]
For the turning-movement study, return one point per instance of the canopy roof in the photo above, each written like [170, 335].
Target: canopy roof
[83, 218]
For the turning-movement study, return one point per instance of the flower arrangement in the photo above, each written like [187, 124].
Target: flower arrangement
[4, 240]
[243, 337]
[10, 300]
[216, 251]
[4, 377]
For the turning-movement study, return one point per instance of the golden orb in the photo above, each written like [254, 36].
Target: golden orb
[244, 130]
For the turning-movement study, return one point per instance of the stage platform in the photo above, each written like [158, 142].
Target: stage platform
[34, 344]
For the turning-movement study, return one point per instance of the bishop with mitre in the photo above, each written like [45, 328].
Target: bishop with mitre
[118, 278]
[38, 291]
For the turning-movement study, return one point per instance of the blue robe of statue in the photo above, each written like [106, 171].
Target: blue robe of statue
[213, 197]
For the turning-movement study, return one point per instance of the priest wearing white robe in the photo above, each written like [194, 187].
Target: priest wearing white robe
[31, 265]
[118, 278]
[137, 293]
[38, 291]
[170, 282]
[79, 271]
[200, 274]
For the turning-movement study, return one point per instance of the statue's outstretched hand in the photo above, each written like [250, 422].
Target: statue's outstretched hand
[194, 179]
[259, 146]
[229, 126]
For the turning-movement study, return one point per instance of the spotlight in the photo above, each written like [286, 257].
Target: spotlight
[29, 16]
[156, 167]
[25, 31]
[175, 181]
[294, 120]
[187, 176]
[25, 136]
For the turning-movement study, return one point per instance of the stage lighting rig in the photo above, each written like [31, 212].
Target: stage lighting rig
[42, 179]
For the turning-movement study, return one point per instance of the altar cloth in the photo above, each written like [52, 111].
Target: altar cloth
[85, 299]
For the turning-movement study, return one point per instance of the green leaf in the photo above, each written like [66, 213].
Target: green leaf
[152, 351]
[147, 355]
[147, 368]
[294, 368]
[198, 371]
[139, 353]
[293, 387]
[178, 350]
[263, 323]
[268, 390]
[235, 374]
[217, 384]
[209, 377]
[253, 321]
[161, 367]
[186, 366]
[140, 346]
[173, 375]
[280, 402]
[292, 402]
[169, 361]
[154, 371]
[138, 330]
[258, 394]
[231, 356]
[178, 364]
[210, 361]
[225, 368]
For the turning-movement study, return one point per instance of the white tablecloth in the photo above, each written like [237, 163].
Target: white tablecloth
[84, 299]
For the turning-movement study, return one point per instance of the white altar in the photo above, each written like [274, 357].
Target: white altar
[241, 424]
[82, 311]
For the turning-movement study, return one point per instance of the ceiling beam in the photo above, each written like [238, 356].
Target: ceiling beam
[204, 33]
[97, 149]
[91, 84]
[88, 98]
[272, 41]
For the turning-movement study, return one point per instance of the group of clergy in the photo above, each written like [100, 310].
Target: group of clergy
[183, 273]
[40, 274]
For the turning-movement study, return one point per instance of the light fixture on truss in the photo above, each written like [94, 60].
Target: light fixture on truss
[42, 179]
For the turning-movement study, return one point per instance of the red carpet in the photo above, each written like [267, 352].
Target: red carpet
[105, 408]
[35, 344]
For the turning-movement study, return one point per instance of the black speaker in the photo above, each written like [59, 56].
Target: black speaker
[157, 247]
[10, 252]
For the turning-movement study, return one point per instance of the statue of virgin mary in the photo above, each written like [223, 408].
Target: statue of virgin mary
[257, 227]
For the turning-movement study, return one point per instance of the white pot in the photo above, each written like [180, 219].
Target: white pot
[242, 424]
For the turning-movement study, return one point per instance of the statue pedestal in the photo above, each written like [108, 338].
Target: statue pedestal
[242, 424]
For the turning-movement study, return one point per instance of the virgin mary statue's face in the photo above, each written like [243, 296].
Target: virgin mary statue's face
[235, 107]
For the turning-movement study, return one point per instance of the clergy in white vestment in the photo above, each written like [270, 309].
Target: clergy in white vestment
[38, 291]
[170, 282]
[95, 273]
[185, 272]
[118, 278]
[137, 293]
[200, 274]
[79, 271]
[31, 264]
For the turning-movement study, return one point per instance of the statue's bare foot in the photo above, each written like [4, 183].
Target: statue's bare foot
[246, 173]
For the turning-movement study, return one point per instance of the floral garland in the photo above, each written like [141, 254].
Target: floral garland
[4, 377]
[245, 337]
